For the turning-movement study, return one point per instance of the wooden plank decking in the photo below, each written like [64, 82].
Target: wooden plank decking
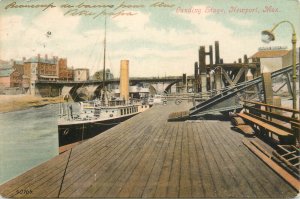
[147, 156]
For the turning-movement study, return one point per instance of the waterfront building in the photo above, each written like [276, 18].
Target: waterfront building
[43, 68]
[81, 74]
[38, 68]
[64, 73]
[19, 66]
[11, 73]
[9, 77]
[272, 59]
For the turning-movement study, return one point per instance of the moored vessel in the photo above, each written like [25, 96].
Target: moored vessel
[92, 120]
[97, 116]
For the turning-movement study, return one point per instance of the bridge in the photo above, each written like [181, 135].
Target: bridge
[133, 81]
[55, 88]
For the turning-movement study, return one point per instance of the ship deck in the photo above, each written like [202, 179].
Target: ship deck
[147, 156]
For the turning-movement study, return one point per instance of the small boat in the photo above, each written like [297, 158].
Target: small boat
[157, 99]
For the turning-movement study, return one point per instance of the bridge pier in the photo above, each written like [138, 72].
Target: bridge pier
[48, 90]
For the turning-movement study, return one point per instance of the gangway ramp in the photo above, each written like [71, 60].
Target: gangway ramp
[229, 99]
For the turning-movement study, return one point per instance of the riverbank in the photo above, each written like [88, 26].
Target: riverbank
[10, 103]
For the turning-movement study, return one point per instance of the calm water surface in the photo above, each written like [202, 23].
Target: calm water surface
[27, 138]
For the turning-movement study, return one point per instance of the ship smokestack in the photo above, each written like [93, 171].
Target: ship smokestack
[124, 80]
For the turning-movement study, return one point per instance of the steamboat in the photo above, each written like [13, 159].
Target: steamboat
[97, 116]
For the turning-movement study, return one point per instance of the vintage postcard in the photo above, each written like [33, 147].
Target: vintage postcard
[149, 98]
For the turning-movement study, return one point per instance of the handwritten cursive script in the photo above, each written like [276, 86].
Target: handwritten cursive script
[77, 12]
[15, 5]
[123, 5]
[93, 10]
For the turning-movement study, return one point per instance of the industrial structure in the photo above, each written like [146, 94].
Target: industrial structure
[216, 75]
[224, 86]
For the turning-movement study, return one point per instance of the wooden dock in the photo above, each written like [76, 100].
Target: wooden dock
[147, 156]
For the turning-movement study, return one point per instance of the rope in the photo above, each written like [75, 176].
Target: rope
[64, 173]
[98, 60]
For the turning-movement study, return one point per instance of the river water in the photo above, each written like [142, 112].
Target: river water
[27, 138]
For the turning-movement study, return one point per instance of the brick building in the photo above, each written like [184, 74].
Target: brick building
[41, 68]
[64, 73]
[19, 66]
[10, 77]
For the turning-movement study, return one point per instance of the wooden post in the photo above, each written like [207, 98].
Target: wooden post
[196, 81]
[277, 102]
[217, 52]
[211, 60]
[202, 63]
[196, 70]
[184, 82]
[268, 91]
[211, 82]
[202, 66]
[246, 59]
[267, 85]
[246, 70]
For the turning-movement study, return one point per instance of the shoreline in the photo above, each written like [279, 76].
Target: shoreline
[11, 103]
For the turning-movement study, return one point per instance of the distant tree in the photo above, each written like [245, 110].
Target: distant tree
[98, 75]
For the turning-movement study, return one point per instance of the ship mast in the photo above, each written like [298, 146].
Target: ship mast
[104, 96]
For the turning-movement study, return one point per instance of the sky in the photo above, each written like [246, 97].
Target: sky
[157, 41]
